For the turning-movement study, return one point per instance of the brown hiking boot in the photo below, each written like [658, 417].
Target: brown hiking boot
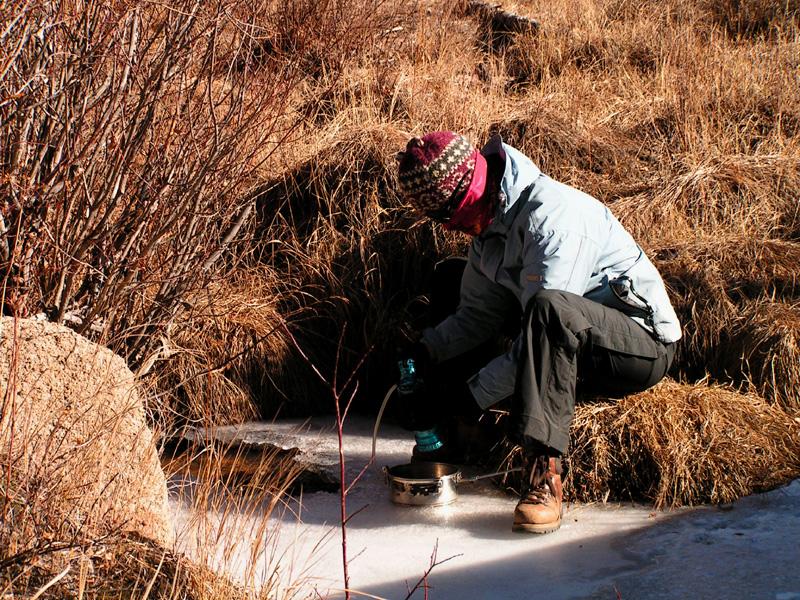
[539, 509]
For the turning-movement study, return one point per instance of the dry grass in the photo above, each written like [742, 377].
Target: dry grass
[676, 445]
[335, 249]
[687, 132]
[682, 115]
[122, 566]
[737, 297]
[225, 355]
[741, 195]
[765, 345]
[682, 445]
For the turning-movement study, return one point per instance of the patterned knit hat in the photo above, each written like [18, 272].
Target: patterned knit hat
[435, 171]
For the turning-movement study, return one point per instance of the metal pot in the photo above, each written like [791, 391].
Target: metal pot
[423, 484]
[428, 483]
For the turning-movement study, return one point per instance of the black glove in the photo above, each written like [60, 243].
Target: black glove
[418, 410]
[419, 353]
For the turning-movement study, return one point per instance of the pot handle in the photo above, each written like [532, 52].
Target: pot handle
[474, 479]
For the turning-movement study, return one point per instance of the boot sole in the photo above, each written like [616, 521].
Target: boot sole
[536, 528]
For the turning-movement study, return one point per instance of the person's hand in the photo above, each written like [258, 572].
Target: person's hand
[418, 410]
[421, 355]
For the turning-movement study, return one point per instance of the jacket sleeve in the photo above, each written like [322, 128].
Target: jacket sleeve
[481, 313]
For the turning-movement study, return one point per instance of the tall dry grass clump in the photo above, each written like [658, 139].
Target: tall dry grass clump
[349, 256]
[227, 499]
[674, 445]
[681, 445]
[225, 354]
[681, 116]
[737, 298]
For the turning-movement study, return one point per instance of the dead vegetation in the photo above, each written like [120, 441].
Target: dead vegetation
[687, 131]
[738, 299]
[689, 143]
[123, 566]
[227, 488]
[133, 139]
[676, 444]
[680, 445]
[682, 115]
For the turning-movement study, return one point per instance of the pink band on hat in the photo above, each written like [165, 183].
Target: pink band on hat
[477, 186]
[478, 183]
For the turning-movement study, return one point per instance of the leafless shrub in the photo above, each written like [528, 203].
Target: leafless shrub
[133, 135]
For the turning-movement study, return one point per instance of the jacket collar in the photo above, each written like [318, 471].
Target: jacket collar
[519, 174]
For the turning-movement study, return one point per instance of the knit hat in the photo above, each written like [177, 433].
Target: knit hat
[435, 172]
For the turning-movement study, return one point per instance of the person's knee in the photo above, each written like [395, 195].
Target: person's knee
[545, 304]
[558, 315]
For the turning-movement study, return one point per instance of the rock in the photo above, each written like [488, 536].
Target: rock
[74, 442]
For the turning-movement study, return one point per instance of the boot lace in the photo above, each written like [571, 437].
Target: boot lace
[538, 491]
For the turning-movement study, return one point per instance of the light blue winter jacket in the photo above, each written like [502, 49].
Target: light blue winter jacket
[545, 235]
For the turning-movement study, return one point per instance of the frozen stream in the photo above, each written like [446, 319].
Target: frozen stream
[748, 550]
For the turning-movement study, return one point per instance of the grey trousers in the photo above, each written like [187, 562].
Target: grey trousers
[566, 338]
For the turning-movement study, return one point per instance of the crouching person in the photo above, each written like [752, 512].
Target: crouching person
[554, 266]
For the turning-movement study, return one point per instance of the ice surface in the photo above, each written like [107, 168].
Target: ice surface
[749, 550]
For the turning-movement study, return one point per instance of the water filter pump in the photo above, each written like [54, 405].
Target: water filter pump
[410, 382]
